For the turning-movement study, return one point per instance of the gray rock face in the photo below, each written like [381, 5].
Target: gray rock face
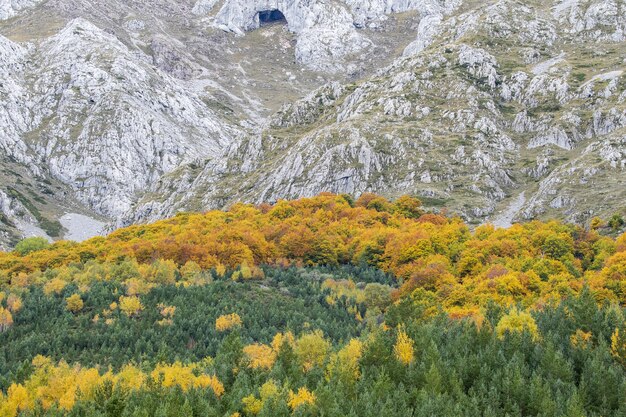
[452, 121]
[101, 118]
[85, 79]
[11, 8]
[14, 116]
[326, 30]
[119, 110]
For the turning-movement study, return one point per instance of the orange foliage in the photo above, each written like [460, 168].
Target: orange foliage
[534, 263]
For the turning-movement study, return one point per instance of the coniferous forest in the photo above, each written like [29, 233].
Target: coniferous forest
[323, 306]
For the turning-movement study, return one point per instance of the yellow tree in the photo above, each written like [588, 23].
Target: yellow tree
[259, 356]
[209, 381]
[14, 303]
[54, 286]
[581, 340]
[303, 397]
[517, 322]
[74, 303]
[17, 400]
[227, 322]
[345, 364]
[311, 349]
[281, 338]
[618, 346]
[403, 349]
[253, 405]
[131, 306]
[6, 319]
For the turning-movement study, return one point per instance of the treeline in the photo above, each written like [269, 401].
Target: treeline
[533, 264]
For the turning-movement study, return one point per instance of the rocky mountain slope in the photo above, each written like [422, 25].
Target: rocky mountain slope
[126, 113]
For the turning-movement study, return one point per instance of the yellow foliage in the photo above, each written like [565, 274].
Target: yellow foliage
[269, 390]
[247, 272]
[131, 305]
[346, 362]
[6, 319]
[343, 288]
[227, 322]
[184, 377]
[190, 269]
[531, 264]
[252, 405]
[54, 286]
[517, 322]
[282, 338]
[581, 340]
[302, 398]
[618, 347]
[21, 280]
[59, 384]
[14, 303]
[17, 400]
[311, 349]
[74, 303]
[174, 375]
[220, 270]
[136, 286]
[209, 381]
[167, 312]
[259, 356]
[403, 349]
[130, 377]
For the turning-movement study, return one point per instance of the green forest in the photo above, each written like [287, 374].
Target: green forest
[317, 307]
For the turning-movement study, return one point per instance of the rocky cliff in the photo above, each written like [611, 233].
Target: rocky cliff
[500, 111]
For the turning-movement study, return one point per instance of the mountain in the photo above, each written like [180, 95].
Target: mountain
[123, 112]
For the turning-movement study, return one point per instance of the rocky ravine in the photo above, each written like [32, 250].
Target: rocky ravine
[132, 115]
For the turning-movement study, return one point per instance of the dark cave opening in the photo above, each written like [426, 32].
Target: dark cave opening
[268, 17]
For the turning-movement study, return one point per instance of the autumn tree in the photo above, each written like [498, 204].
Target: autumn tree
[6, 319]
[303, 397]
[311, 349]
[517, 321]
[74, 303]
[618, 346]
[259, 356]
[408, 206]
[54, 286]
[404, 348]
[345, 363]
[131, 305]
[227, 321]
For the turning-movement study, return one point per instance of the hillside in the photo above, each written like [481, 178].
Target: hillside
[316, 307]
[312, 208]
